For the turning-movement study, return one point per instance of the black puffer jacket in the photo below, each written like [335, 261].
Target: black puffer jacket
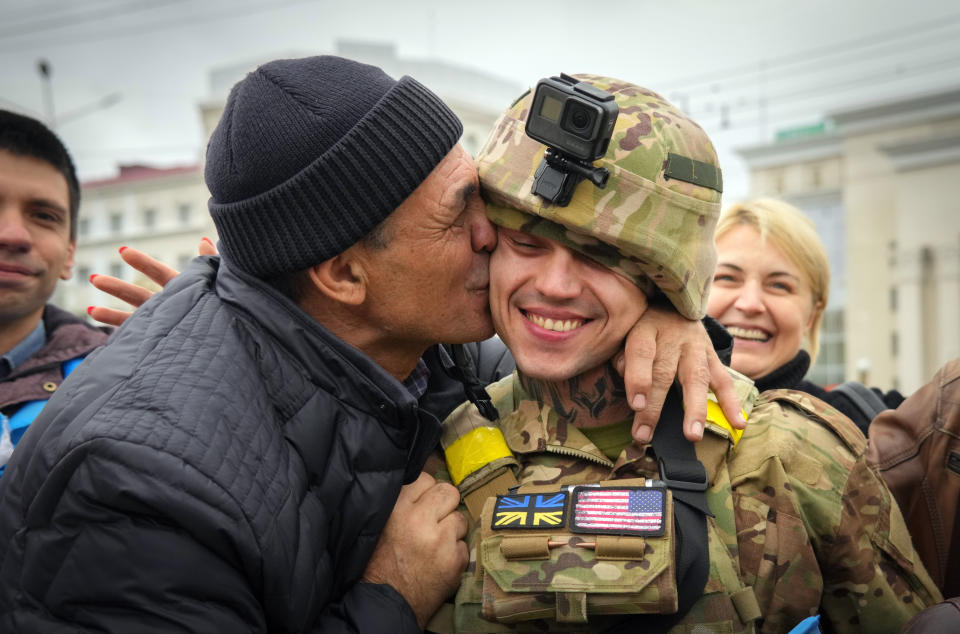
[223, 464]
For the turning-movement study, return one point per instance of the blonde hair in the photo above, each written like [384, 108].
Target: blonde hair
[790, 231]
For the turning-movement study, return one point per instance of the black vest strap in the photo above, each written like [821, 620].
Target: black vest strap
[680, 468]
[687, 479]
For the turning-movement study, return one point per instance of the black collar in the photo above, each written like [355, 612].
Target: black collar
[787, 376]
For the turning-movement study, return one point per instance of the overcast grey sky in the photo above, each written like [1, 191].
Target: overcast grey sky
[718, 59]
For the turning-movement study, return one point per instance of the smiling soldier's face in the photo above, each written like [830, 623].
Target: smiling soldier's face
[560, 313]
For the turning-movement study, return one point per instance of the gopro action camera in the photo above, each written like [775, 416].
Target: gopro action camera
[572, 117]
[575, 121]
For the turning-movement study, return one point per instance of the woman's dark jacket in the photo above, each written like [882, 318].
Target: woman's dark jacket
[790, 376]
[223, 464]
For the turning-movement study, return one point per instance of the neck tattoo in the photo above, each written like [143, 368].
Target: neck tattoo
[596, 397]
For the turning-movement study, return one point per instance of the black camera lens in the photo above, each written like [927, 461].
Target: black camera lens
[579, 119]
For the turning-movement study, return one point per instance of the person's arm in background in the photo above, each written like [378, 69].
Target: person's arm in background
[916, 450]
[132, 294]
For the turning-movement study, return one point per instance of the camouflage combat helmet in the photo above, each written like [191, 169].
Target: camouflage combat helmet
[656, 216]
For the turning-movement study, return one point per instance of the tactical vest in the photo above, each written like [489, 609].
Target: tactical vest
[581, 556]
[802, 526]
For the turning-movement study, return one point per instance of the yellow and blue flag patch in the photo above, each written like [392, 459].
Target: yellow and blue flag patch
[530, 510]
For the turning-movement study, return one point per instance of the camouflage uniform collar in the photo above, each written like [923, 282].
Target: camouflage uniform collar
[532, 428]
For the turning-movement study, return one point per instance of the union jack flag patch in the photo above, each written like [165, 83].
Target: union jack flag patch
[530, 510]
[622, 511]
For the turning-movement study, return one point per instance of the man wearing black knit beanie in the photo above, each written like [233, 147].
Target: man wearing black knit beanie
[246, 452]
[229, 461]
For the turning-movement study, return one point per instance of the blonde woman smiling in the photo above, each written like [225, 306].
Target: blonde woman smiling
[770, 290]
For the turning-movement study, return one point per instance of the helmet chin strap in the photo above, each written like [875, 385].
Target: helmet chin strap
[463, 370]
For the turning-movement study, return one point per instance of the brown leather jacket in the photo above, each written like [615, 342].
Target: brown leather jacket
[916, 448]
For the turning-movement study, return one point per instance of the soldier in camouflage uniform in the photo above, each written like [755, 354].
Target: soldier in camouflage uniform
[801, 525]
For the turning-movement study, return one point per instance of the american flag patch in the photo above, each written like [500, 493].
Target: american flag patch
[623, 511]
[548, 510]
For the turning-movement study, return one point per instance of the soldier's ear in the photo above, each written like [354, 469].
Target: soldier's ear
[341, 278]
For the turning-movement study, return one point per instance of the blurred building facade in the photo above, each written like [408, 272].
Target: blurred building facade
[163, 211]
[477, 97]
[882, 184]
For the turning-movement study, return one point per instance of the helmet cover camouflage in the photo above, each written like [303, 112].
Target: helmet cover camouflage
[646, 222]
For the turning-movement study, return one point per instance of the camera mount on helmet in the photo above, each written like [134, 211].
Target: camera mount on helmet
[575, 120]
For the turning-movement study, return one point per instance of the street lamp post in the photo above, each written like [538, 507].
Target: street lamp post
[46, 71]
[43, 67]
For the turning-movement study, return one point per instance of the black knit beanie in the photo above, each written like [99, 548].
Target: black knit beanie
[311, 154]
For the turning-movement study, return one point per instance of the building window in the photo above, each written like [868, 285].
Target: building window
[894, 344]
[893, 299]
[83, 274]
[116, 222]
[829, 368]
[83, 227]
[183, 260]
[184, 212]
[149, 218]
[778, 181]
[116, 270]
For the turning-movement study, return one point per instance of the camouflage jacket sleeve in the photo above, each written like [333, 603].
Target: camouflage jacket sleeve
[872, 578]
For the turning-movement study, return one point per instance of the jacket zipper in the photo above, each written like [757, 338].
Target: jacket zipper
[576, 453]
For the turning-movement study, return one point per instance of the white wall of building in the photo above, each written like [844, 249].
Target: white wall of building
[165, 216]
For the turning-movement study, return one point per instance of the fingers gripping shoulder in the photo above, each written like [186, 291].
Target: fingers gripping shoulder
[744, 388]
